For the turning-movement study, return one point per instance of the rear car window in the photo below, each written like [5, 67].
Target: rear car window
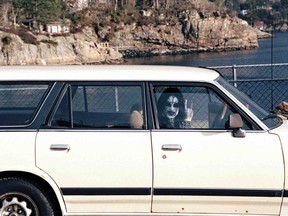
[19, 102]
[101, 107]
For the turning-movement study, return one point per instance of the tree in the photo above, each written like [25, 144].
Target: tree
[252, 15]
[11, 11]
[5, 7]
[46, 10]
[40, 10]
[17, 10]
[262, 2]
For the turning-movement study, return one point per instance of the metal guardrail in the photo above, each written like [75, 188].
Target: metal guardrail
[266, 84]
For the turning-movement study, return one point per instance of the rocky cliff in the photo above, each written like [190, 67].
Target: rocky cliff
[80, 48]
[192, 32]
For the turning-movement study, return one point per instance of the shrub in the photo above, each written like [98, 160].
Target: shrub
[26, 36]
[6, 40]
[51, 42]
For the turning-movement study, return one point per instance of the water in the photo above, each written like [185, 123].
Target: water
[266, 93]
[270, 51]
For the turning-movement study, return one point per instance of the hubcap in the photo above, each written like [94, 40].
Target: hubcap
[14, 207]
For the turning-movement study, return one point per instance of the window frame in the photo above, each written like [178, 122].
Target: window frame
[210, 86]
[68, 87]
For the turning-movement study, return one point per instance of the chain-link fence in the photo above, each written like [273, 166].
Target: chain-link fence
[18, 103]
[266, 84]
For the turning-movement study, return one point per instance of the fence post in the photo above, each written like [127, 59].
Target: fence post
[272, 86]
[234, 73]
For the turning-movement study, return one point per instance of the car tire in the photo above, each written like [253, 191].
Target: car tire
[21, 197]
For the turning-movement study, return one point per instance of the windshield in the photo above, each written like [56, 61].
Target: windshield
[269, 119]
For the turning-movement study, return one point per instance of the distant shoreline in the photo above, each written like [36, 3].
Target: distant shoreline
[262, 55]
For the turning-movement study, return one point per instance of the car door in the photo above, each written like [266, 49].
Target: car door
[200, 167]
[97, 148]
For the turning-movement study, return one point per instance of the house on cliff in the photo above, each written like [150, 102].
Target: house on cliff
[59, 27]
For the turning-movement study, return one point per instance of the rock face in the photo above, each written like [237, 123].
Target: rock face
[193, 33]
[81, 48]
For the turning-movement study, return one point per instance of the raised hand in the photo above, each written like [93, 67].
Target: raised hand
[188, 111]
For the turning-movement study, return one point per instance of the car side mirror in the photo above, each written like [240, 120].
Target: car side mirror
[235, 123]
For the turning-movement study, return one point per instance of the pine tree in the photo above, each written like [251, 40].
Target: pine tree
[40, 10]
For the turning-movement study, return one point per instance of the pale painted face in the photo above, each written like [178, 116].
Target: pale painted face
[171, 108]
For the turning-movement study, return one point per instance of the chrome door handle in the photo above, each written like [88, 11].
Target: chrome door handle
[59, 147]
[171, 147]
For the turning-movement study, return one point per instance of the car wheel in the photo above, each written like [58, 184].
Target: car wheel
[19, 197]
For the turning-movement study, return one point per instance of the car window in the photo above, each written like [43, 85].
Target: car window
[102, 107]
[19, 102]
[191, 107]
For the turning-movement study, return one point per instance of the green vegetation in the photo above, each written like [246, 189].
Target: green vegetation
[96, 13]
[41, 11]
[271, 12]
[6, 40]
[100, 13]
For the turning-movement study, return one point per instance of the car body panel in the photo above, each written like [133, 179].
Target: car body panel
[209, 167]
[282, 133]
[96, 163]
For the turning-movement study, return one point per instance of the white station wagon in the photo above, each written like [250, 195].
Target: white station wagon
[136, 140]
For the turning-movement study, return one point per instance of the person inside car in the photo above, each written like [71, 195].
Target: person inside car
[173, 111]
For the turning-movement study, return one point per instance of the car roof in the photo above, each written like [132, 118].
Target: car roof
[106, 73]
